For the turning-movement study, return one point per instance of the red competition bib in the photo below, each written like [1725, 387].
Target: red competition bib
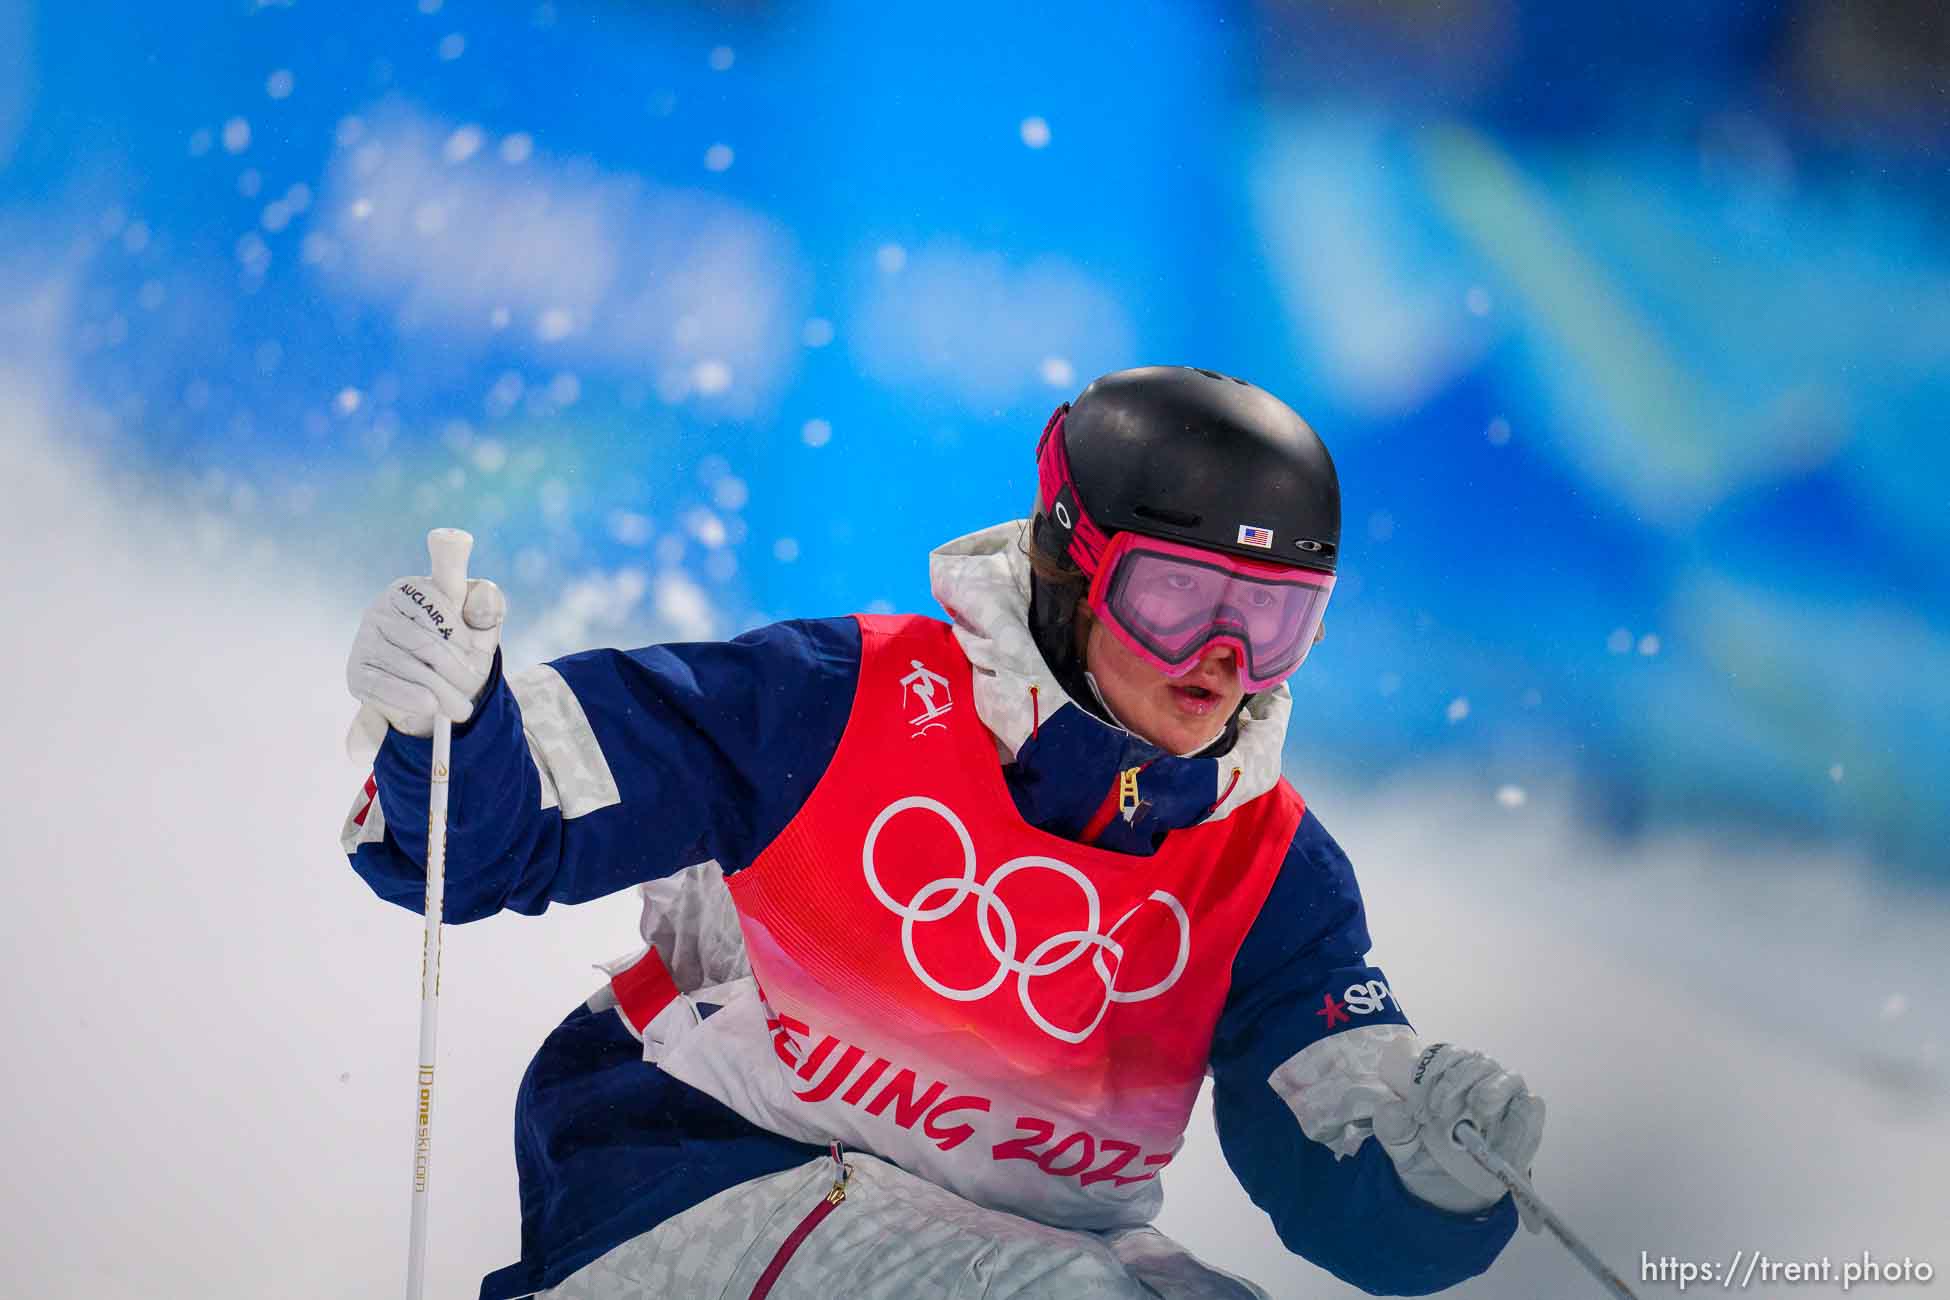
[1021, 1017]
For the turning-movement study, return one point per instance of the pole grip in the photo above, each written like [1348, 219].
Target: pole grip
[448, 549]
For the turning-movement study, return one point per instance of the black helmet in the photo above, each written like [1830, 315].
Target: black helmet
[1191, 456]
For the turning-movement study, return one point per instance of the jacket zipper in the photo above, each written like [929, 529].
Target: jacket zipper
[1123, 798]
[796, 1238]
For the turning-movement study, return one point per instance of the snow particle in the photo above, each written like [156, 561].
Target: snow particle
[1458, 709]
[136, 237]
[236, 135]
[200, 141]
[890, 258]
[276, 216]
[430, 218]
[151, 295]
[1836, 772]
[718, 158]
[348, 401]
[706, 528]
[786, 550]
[1057, 372]
[1498, 432]
[280, 84]
[254, 254]
[565, 389]
[430, 6]
[361, 209]
[452, 46]
[722, 57]
[463, 144]
[816, 433]
[556, 323]
[518, 148]
[710, 377]
[490, 455]
[730, 493]
[818, 332]
[1381, 526]
[1511, 796]
[1892, 1006]
[498, 318]
[683, 604]
[317, 249]
[506, 391]
[1034, 132]
[349, 132]
[1477, 300]
[1620, 641]
[1649, 644]
[630, 528]
[268, 357]
[250, 182]
[1388, 683]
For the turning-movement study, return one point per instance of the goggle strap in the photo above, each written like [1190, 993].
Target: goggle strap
[1079, 536]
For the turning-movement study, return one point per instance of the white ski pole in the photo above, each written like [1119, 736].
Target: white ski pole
[448, 548]
[1470, 1139]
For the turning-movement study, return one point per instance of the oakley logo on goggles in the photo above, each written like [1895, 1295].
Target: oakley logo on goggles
[1168, 601]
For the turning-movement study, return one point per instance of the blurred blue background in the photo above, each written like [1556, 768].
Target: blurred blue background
[1629, 329]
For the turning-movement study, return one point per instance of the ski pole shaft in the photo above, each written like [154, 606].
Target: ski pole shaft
[1471, 1140]
[448, 549]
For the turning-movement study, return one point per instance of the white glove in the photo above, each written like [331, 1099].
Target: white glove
[1436, 1088]
[413, 658]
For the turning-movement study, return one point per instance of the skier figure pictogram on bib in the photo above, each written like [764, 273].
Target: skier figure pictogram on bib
[923, 685]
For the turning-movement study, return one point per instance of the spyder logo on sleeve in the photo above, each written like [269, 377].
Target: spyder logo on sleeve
[1362, 999]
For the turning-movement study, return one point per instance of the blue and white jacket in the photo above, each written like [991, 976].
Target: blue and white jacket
[611, 769]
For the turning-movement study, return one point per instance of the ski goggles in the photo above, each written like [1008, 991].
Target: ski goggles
[1168, 603]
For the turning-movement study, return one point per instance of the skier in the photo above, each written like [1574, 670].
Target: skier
[945, 922]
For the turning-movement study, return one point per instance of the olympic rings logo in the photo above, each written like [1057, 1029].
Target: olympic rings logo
[1051, 955]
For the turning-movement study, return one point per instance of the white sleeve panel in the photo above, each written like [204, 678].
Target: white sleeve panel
[365, 821]
[575, 775]
[1333, 1086]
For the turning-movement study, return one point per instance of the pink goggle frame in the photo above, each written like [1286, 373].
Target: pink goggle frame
[1168, 602]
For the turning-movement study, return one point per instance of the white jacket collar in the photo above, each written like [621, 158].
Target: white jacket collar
[982, 581]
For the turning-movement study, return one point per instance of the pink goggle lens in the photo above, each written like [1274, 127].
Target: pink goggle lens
[1168, 602]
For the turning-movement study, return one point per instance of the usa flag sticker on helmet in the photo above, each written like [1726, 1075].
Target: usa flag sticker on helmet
[1252, 535]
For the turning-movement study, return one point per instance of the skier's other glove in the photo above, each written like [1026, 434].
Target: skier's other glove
[416, 656]
[1437, 1087]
